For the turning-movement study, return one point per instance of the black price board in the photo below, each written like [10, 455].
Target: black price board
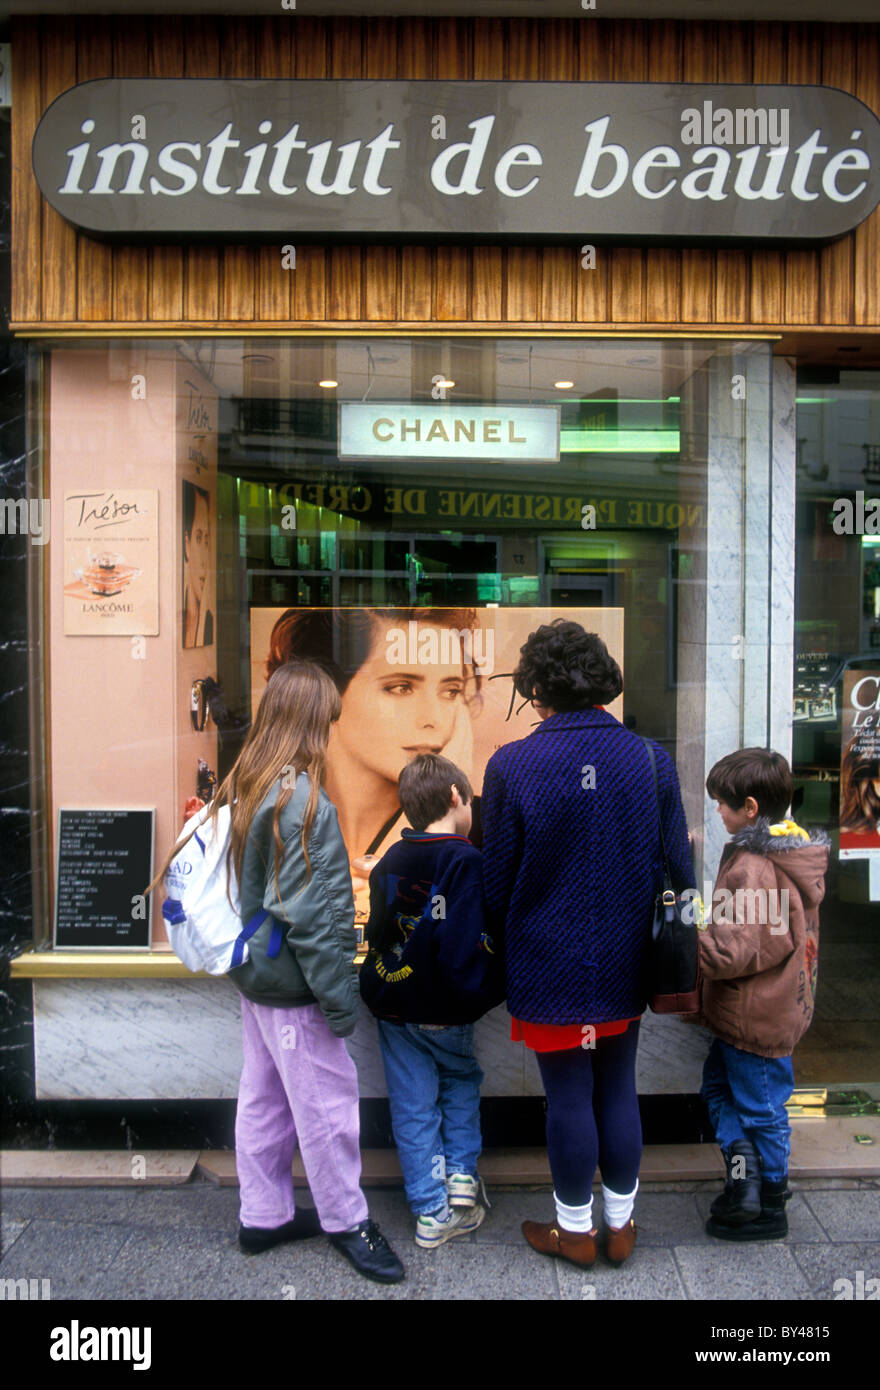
[104, 862]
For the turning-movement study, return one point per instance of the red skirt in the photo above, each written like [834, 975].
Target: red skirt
[559, 1037]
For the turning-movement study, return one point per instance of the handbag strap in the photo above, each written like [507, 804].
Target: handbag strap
[650, 751]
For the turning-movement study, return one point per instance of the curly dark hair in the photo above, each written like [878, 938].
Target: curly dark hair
[564, 667]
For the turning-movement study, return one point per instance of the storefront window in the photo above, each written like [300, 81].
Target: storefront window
[219, 496]
[836, 687]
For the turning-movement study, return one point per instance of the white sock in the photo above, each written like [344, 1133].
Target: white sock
[578, 1219]
[618, 1208]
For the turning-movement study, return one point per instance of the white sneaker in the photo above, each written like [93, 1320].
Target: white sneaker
[464, 1191]
[432, 1231]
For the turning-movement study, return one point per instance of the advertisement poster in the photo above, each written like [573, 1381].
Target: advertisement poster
[860, 767]
[111, 562]
[199, 572]
[416, 680]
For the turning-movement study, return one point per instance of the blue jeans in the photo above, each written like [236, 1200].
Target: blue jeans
[746, 1096]
[434, 1092]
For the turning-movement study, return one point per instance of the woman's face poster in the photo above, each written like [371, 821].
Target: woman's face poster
[197, 537]
[415, 681]
[860, 763]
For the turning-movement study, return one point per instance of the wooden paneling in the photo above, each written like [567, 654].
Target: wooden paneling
[380, 48]
[627, 283]
[731, 287]
[767, 287]
[131, 58]
[380, 282]
[310, 284]
[452, 282]
[64, 279]
[416, 280]
[29, 254]
[557, 284]
[697, 285]
[272, 49]
[59, 238]
[344, 281]
[487, 296]
[165, 287]
[523, 267]
[867, 236]
[94, 260]
[489, 50]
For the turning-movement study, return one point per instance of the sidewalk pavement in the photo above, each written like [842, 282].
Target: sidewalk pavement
[180, 1243]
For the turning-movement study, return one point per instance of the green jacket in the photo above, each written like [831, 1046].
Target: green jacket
[316, 963]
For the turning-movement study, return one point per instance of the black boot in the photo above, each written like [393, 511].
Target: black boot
[772, 1224]
[740, 1202]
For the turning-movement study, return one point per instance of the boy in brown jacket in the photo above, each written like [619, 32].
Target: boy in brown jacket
[758, 954]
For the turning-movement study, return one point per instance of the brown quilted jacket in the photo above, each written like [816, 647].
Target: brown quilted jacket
[759, 953]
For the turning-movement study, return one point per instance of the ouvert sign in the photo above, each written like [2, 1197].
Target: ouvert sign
[529, 160]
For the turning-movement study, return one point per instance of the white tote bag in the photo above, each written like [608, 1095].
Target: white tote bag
[206, 931]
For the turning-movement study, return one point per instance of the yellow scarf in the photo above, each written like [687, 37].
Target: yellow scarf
[788, 827]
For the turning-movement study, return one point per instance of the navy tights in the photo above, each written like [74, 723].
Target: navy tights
[593, 1116]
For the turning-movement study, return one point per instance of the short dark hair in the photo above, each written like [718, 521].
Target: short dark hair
[425, 789]
[757, 772]
[565, 668]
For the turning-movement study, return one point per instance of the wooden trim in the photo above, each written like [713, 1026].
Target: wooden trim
[62, 278]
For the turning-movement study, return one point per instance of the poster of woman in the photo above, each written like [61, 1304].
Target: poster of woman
[412, 680]
[860, 763]
[197, 538]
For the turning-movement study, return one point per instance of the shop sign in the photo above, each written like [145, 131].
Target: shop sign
[369, 499]
[532, 160]
[525, 434]
[104, 860]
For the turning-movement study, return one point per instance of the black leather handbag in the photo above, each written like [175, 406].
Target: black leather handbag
[674, 953]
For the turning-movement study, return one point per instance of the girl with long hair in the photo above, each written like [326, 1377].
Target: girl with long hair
[298, 1084]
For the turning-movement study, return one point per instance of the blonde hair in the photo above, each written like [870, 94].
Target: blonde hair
[289, 736]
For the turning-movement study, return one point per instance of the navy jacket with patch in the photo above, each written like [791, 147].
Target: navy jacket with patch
[438, 964]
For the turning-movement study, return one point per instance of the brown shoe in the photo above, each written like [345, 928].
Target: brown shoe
[551, 1239]
[619, 1242]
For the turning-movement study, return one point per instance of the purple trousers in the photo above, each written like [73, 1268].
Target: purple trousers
[298, 1088]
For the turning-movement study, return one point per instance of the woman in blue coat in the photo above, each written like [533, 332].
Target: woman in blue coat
[572, 864]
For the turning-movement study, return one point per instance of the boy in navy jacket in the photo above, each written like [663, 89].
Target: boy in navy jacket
[431, 971]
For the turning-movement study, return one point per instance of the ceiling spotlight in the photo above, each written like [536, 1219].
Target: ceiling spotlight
[257, 357]
[444, 383]
[328, 384]
[563, 385]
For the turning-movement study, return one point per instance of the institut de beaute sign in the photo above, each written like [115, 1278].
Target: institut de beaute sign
[270, 158]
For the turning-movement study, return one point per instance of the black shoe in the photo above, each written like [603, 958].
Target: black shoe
[772, 1224]
[740, 1202]
[369, 1252]
[253, 1240]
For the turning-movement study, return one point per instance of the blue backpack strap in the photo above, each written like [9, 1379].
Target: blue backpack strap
[247, 931]
[273, 950]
